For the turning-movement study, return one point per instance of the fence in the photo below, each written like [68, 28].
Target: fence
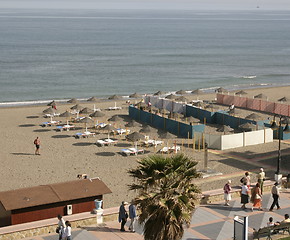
[223, 142]
[170, 125]
[255, 104]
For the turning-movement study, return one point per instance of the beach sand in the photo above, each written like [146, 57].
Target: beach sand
[63, 157]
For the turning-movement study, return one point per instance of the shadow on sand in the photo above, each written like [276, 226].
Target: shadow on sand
[23, 154]
[82, 144]
[61, 136]
[106, 154]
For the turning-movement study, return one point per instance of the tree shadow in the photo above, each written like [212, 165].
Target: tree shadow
[32, 117]
[82, 144]
[27, 125]
[61, 136]
[41, 130]
[106, 154]
[22, 154]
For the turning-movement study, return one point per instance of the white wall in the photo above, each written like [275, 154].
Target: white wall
[223, 142]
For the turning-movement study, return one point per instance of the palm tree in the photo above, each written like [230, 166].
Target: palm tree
[166, 195]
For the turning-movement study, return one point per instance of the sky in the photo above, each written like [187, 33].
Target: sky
[150, 4]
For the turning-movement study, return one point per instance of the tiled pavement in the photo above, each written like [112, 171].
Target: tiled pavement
[212, 221]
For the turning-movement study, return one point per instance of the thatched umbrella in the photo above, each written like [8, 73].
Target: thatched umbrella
[261, 96]
[181, 99]
[93, 99]
[109, 128]
[135, 137]
[114, 97]
[225, 129]
[52, 104]
[159, 93]
[247, 127]
[135, 95]
[67, 115]
[241, 93]
[221, 90]
[147, 129]
[77, 107]
[181, 92]
[133, 123]
[86, 120]
[254, 116]
[197, 92]
[115, 118]
[191, 119]
[86, 111]
[73, 100]
[50, 111]
[284, 99]
[97, 114]
[171, 96]
[167, 135]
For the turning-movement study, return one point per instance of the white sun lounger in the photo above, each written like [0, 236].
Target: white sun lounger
[131, 151]
[170, 149]
[106, 142]
[152, 142]
[85, 134]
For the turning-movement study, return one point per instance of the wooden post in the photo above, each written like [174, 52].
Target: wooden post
[204, 120]
[203, 141]
[193, 143]
[264, 134]
[199, 144]
[188, 139]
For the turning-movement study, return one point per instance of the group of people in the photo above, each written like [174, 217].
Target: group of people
[63, 229]
[123, 216]
[255, 194]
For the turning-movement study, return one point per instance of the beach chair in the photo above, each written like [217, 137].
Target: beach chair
[131, 151]
[110, 141]
[85, 134]
[101, 125]
[50, 123]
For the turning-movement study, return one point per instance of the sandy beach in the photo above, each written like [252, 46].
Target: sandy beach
[63, 157]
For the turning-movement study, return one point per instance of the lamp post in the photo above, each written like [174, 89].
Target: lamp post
[274, 126]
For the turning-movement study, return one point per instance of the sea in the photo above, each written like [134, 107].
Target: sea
[61, 54]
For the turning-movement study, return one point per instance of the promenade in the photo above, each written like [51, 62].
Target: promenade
[211, 221]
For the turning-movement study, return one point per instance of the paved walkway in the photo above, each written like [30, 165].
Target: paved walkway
[212, 221]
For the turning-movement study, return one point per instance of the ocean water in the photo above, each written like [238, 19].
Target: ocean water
[60, 54]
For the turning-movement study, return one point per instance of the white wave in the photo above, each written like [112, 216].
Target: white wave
[249, 77]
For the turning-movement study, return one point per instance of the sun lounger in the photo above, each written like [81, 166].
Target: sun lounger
[50, 123]
[85, 134]
[51, 115]
[65, 127]
[170, 149]
[131, 151]
[106, 142]
[101, 125]
[152, 142]
[113, 108]
[121, 131]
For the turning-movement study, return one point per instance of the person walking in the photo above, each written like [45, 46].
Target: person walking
[67, 231]
[123, 215]
[256, 197]
[244, 195]
[276, 195]
[261, 178]
[227, 192]
[60, 226]
[132, 216]
[37, 145]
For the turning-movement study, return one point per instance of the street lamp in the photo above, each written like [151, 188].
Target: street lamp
[274, 126]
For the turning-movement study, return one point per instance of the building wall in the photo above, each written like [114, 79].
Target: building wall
[52, 210]
[5, 216]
